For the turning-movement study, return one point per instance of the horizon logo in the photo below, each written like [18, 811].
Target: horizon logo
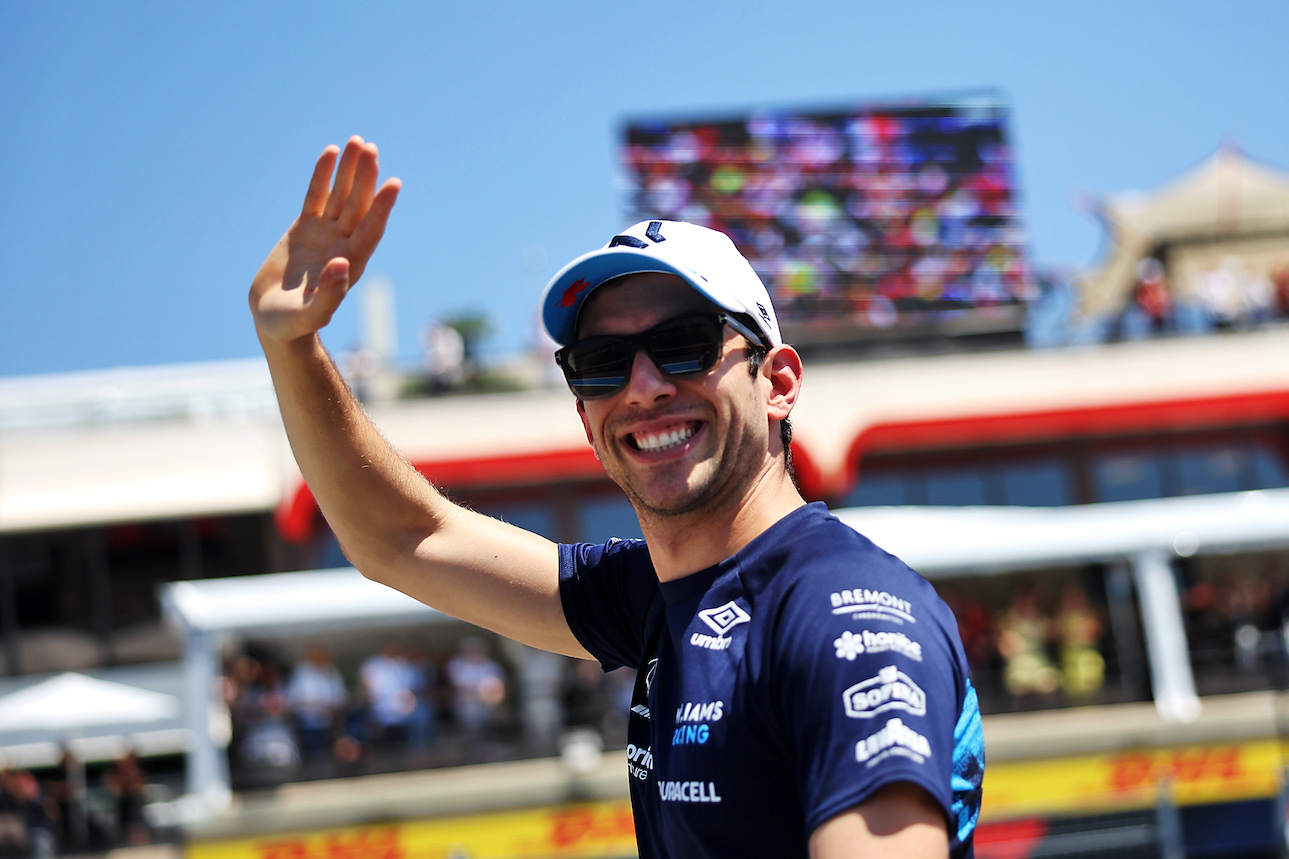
[723, 618]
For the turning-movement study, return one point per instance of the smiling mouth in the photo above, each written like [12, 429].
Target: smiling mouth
[665, 439]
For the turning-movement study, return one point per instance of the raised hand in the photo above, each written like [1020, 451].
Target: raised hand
[325, 251]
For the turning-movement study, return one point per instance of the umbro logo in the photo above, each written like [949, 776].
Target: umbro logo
[723, 618]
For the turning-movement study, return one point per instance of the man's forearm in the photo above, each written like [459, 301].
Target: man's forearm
[373, 499]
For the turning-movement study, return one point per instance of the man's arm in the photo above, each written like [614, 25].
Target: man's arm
[392, 524]
[900, 821]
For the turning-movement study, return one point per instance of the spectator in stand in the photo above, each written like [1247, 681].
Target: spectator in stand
[444, 357]
[263, 741]
[1280, 281]
[316, 698]
[13, 822]
[40, 812]
[586, 695]
[128, 787]
[478, 688]
[1153, 296]
[425, 681]
[1023, 634]
[1078, 631]
[389, 683]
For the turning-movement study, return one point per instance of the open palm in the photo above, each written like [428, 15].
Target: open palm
[325, 251]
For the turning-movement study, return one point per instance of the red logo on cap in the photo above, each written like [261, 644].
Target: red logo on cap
[569, 298]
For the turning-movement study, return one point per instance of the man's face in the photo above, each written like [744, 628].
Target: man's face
[674, 445]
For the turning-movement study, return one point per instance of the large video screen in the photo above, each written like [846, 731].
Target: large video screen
[877, 220]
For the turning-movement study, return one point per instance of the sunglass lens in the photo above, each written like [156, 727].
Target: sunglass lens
[597, 368]
[686, 346]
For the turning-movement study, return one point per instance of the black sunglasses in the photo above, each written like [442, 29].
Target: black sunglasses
[598, 367]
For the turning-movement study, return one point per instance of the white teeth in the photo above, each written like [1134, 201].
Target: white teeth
[663, 440]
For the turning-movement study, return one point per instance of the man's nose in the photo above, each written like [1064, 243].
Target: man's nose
[646, 384]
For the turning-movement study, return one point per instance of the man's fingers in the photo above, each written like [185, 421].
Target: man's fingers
[344, 177]
[315, 199]
[369, 230]
[364, 185]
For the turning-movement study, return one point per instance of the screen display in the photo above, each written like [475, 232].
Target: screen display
[876, 220]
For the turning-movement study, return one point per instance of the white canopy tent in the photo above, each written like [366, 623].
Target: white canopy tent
[97, 715]
[936, 541]
[68, 704]
[73, 702]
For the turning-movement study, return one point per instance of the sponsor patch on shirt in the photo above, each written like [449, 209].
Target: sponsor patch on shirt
[688, 791]
[891, 689]
[851, 645]
[862, 603]
[895, 738]
[723, 618]
[639, 761]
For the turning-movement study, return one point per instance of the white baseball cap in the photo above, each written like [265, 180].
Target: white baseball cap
[705, 258]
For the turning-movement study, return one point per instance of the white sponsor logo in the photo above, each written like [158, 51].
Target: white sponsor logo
[861, 602]
[641, 710]
[710, 642]
[850, 645]
[639, 761]
[688, 791]
[895, 738]
[891, 689]
[707, 711]
[723, 618]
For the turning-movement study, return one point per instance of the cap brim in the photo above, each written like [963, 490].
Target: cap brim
[563, 301]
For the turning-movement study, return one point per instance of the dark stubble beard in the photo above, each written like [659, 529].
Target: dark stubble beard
[727, 479]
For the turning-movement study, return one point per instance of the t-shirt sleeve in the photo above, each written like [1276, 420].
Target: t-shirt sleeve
[607, 592]
[870, 687]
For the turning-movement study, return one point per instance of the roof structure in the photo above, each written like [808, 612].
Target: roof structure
[1226, 199]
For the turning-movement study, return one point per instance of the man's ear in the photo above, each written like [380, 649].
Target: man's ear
[581, 413]
[782, 368]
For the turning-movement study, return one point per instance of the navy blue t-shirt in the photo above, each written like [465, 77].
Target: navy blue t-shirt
[779, 688]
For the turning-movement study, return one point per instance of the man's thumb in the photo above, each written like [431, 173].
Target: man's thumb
[333, 283]
[335, 276]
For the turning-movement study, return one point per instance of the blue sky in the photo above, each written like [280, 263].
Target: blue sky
[153, 151]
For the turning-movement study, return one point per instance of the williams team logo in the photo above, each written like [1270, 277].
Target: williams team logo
[891, 689]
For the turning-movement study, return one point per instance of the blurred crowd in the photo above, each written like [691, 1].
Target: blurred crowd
[1229, 295]
[1237, 620]
[871, 218]
[58, 814]
[399, 708]
[1029, 653]
[1049, 642]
